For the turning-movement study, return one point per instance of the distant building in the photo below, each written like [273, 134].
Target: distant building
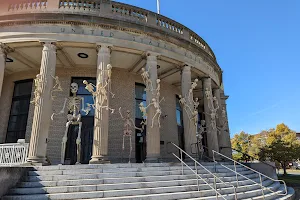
[298, 136]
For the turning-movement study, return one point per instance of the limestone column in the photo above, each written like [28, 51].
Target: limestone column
[212, 133]
[225, 146]
[219, 119]
[2, 66]
[153, 134]
[43, 107]
[101, 120]
[189, 127]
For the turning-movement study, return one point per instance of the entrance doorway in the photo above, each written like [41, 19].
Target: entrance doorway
[140, 138]
[87, 130]
[87, 134]
[140, 143]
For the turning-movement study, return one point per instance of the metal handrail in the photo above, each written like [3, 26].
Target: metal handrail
[261, 161]
[198, 176]
[260, 175]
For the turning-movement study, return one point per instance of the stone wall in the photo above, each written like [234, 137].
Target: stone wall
[123, 85]
[10, 176]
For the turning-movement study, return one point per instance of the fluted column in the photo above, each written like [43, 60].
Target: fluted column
[101, 120]
[43, 106]
[153, 134]
[212, 135]
[189, 126]
[2, 66]
[224, 137]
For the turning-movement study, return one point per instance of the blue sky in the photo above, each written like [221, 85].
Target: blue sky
[257, 45]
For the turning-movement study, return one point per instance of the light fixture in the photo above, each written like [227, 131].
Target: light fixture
[9, 60]
[82, 55]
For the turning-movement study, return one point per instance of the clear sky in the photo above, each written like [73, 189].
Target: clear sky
[257, 44]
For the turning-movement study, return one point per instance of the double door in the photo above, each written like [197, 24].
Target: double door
[87, 134]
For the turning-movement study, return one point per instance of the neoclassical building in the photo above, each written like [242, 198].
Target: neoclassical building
[48, 47]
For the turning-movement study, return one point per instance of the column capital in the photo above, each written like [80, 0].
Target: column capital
[49, 45]
[150, 55]
[104, 47]
[5, 49]
[186, 68]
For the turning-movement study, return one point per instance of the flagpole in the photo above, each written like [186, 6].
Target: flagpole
[158, 6]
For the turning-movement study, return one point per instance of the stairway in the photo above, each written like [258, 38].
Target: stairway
[134, 181]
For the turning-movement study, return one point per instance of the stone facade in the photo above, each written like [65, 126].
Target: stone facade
[123, 85]
[175, 53]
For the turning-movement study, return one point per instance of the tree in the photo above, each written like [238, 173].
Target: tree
[281, 146]
[241, 143]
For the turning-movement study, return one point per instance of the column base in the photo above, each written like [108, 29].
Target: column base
[37, 161]
[99, 160]
[152, 159]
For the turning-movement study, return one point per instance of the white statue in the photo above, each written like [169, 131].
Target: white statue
[224, 123]
[100, 92]
[146, 79]
[38, 89]
[213, 106]
[128, 124]
[57, 87]
[74, 105]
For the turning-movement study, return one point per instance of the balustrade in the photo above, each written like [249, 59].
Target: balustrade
[32, 5]
[13, 154]
[172, 26]
[117, 9]
[79, 5]
[195, 38]
[124, 10]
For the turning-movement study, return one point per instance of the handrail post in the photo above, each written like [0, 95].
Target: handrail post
[181, 162]
[262, 187]
[236, 175]
[197, 176]
[1, 155]
[235, 195]
[216, 187]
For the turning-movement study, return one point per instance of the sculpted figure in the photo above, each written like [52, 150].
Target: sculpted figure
[38, 89]
[128, 124]
[74, 105]
[146, 79]
[57, 87]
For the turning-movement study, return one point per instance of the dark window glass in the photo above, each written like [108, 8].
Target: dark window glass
[178, 112]
[17, 123]
[82, 92]
[140, 96]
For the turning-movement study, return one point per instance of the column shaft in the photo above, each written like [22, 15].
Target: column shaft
[189, 126]
[225, 146]
[153, 133]
[2, 67]
[101, 121]
[43, 106]
[212, 135]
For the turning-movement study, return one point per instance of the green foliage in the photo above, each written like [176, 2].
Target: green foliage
[280, 145]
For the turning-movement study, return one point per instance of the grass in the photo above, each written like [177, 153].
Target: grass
[292, 180]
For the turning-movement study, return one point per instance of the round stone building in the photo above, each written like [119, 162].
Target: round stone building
[100, 81]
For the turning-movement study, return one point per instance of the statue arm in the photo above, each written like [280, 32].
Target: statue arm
[121, 113]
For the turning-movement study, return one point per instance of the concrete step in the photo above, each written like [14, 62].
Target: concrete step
[119, 186]
[207, 191]
[124, 165]
[124, 180]
[135, 169]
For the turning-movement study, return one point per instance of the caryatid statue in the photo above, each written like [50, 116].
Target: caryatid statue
[190, 105]
[74, 105]
[127, 132]
[102, 90]
[38, 88]
[155, 102]
[213, 106]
